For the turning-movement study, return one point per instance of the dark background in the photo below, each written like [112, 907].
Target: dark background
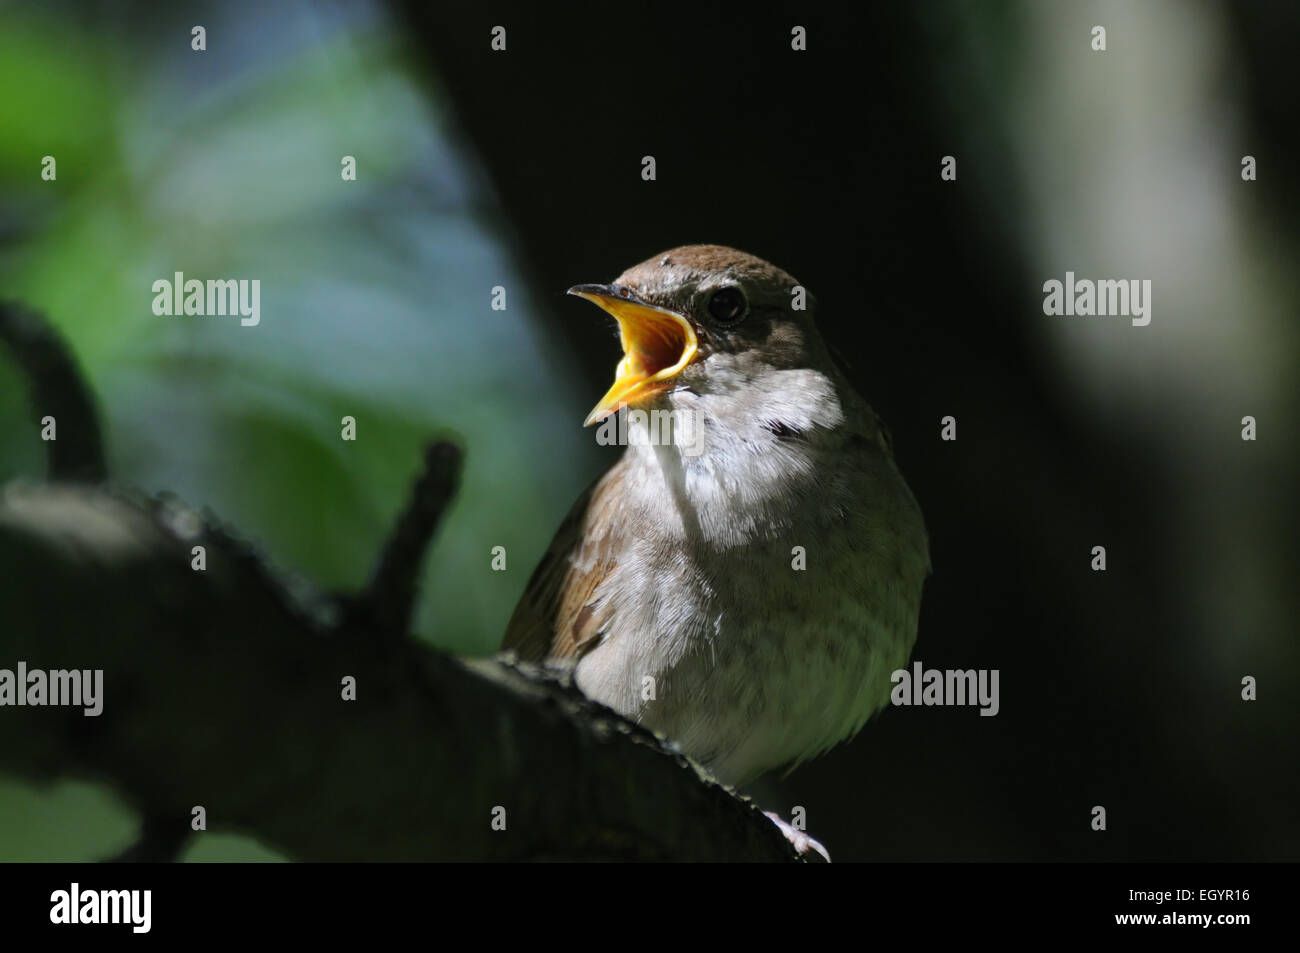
[827, 163]
[1119, 689]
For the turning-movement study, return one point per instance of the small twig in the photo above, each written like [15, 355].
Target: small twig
[57, 390]
[388, 601]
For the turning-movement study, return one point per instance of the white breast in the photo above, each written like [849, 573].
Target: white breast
[716, 638]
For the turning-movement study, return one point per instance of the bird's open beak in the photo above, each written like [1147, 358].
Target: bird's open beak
[657, 345]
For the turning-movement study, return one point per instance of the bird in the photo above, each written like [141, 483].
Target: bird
[748, 575]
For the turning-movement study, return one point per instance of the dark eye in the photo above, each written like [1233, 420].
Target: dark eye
[727, 306]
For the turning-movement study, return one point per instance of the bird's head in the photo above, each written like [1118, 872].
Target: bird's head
[704, 318]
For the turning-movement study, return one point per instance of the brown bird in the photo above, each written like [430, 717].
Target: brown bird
[748, 575]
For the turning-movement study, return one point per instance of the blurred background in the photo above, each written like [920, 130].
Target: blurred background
[522, 168]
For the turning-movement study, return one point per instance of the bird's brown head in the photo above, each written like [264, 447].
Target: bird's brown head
[697, 305]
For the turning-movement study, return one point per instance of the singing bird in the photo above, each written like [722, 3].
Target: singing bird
[745, 579]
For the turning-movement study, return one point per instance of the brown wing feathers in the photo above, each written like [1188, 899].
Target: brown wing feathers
[560, 615]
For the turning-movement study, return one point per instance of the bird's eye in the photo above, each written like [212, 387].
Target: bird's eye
[727, 306]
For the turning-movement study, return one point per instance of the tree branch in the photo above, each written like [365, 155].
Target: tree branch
[388, 601]
[223, 688]
[56, 390]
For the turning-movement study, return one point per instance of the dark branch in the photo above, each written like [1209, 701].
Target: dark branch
[162, 837]
[388, 601]
[56, 390]
[219, 691]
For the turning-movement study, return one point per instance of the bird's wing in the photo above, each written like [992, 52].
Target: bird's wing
[560, 615]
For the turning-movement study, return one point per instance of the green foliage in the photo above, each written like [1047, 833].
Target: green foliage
[374, 304]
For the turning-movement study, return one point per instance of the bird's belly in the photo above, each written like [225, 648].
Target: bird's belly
[749, 670]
